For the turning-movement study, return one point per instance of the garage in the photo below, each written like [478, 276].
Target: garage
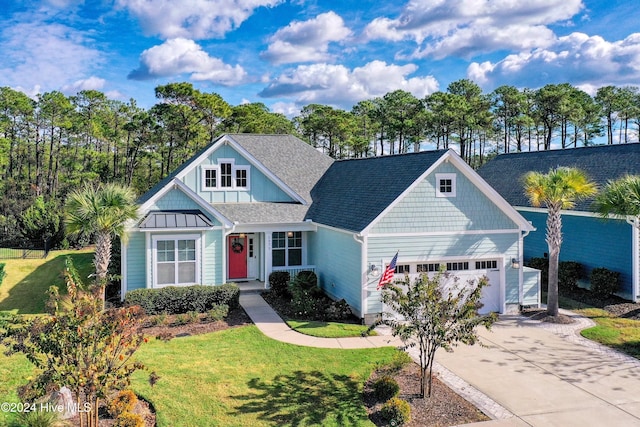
[465, 271]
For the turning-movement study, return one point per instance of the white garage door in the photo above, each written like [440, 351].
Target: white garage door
[490, 294]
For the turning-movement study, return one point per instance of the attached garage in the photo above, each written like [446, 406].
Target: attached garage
[463, 272]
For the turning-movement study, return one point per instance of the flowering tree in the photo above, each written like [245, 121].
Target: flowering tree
[431, 315]
[78, 345]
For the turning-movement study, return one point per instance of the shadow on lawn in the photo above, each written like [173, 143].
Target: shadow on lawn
[29, 295]
[305, 398]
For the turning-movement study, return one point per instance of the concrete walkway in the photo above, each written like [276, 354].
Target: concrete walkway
[527, 373]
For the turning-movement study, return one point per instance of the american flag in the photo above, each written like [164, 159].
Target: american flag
[387, 276]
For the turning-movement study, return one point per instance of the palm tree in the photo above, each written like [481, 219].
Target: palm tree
[620, 198]
[558, 189]
[102, 210]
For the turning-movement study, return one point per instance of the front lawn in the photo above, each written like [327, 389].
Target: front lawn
[24, 289]
[320, 329]
[239, 377]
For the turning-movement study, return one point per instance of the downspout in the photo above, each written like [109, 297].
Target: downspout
[363, 272]
[635, 223]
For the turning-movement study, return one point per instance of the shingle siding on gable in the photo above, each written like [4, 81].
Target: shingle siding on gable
[177, 200]
[337, 257]
[590, 241]
[261, 188]
[422, 211]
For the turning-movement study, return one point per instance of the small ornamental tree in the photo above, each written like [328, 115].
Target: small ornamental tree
[79, 346]
[430, 315]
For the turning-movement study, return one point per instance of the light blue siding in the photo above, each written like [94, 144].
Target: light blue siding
[136, 264]
[531, 287]
[421, 210]
[591, 241]
[337, 257]
[451, 247]
[261, 188]
[211, 264]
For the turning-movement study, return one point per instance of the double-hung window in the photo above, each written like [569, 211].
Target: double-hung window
[286, 248]
[175, 260]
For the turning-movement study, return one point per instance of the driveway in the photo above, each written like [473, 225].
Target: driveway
[546, 375]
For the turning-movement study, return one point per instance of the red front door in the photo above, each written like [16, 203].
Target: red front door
[237, 257]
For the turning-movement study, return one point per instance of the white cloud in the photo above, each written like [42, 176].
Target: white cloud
[182, 56]
[92, 83]
[195, 19]
[584, 60]
[337, 85]
[39, 56]
[464, 28]
[306, 41]
[289, 109]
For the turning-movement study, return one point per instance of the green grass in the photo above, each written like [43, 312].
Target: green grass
[328, 329]
[239, 377]
[615, 332]
[24, 288]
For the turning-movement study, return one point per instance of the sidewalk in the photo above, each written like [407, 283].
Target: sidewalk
[526, 373]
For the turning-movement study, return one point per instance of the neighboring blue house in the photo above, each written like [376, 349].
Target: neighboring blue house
[587, 238]
[248, 205]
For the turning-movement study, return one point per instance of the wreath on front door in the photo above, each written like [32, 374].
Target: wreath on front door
[237, 247]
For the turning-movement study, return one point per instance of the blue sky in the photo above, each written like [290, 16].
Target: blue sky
[288, 54]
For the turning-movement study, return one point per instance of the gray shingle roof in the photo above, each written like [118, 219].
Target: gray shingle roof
[601, 163]
[263, 213]
[295, 162]
[352, 193]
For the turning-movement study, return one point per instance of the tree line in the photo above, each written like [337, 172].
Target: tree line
[55, 143]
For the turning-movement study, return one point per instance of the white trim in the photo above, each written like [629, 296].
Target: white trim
[565, 212]
[123, 270]
[466, 170]
[148, 254]
[269, 227]
[635, 254]
[340, 230]
[442, 176]
[175, 237]
[228, 140]
[446, 233]
[203, 177]
[177, 184]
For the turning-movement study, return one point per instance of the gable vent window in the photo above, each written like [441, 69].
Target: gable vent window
[445, 185]
[224, 176]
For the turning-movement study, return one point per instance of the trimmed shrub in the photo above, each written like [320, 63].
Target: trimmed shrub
[396, 411]
[127, 419]
[307, 279]
[123, 402]
[178, 300]
[338, 310]
[385, 387]
[541, 264]
[2, 272]
[569, 272]
[39, 419]
[308, 303]
[604, 282]
[279, 283]
[218, 312]
[399, 361]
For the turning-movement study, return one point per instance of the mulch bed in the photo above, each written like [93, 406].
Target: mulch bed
[444, 408]
[615, 305]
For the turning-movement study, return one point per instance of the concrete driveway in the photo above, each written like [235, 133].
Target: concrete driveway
[546, 375]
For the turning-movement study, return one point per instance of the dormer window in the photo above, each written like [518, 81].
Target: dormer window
[226, 175]
[445, 185]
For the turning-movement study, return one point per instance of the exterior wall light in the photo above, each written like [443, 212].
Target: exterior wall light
[374, 271]
[515, 263]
